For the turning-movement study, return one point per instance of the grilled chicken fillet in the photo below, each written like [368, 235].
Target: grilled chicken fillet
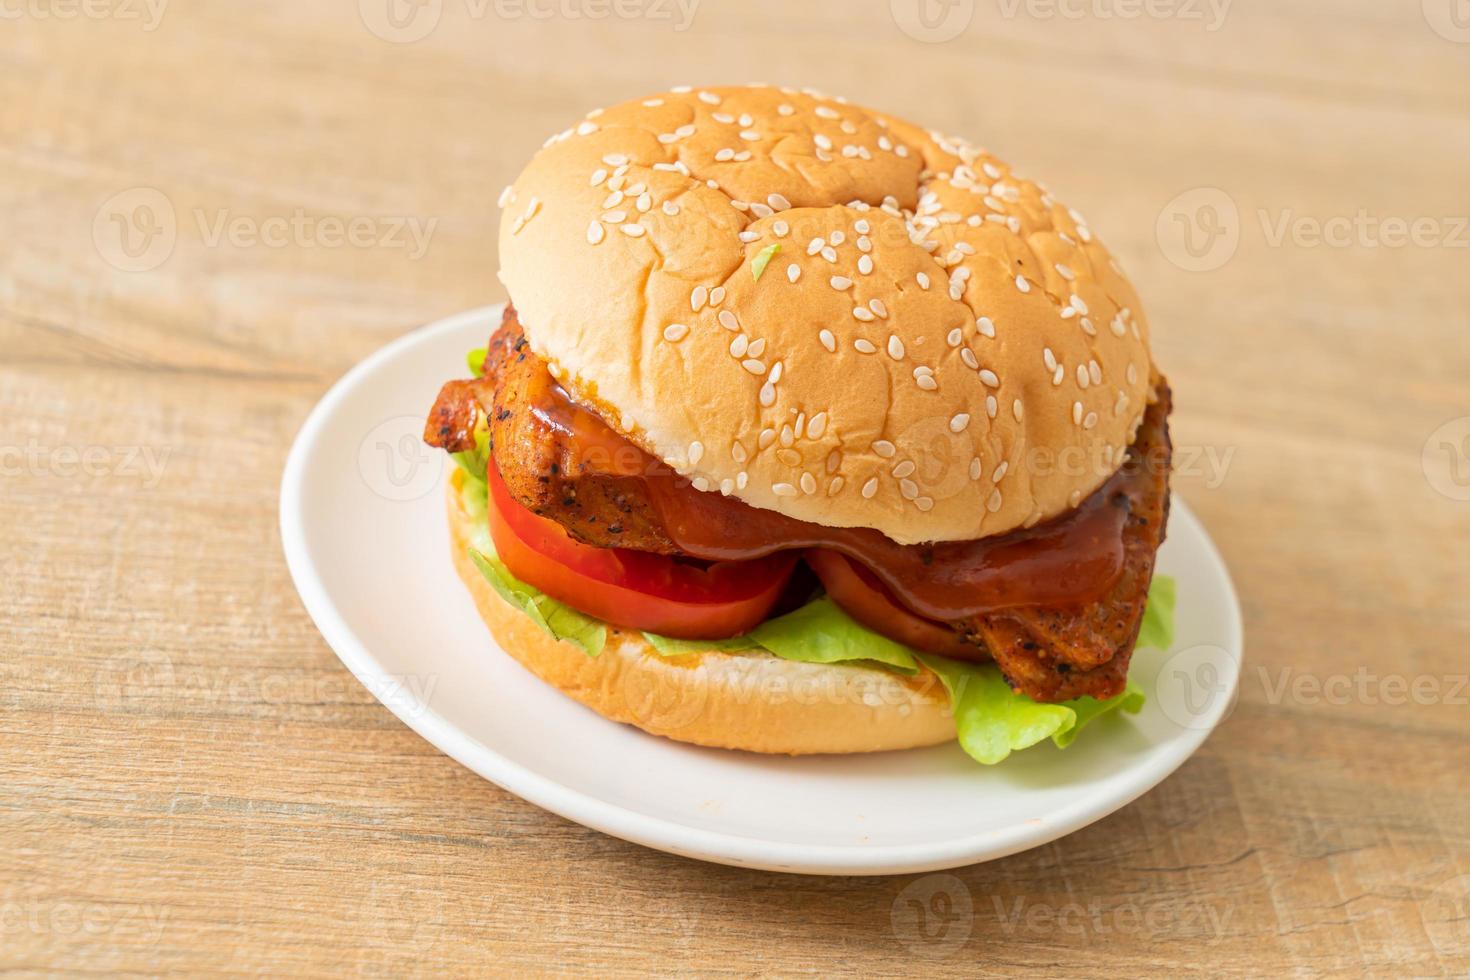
[598, 492]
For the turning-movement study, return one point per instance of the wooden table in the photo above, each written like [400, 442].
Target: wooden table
[189, 780]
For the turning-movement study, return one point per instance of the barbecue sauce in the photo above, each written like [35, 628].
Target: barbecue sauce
[1074, 559]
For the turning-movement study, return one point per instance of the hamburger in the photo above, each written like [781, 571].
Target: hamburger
[807, 429]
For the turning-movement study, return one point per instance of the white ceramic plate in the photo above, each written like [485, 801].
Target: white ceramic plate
[365, 535]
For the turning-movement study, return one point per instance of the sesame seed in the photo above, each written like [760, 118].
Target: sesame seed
[724, 155]
[906, 468]
[741, 479]
[633, 231]
[826, 112]
[908, 488]
[971, 361]
[993, 504]
[864, 346]
[829, 253]
[709, 97]
[975, 468]
[739, 345]
[884, 448]
[828, 341]
[750, 236]
[988, 377]
[615, 217]
[1131, 374]
[876, 305]
[785, 109]
[776, 371]
[768, 394]
[615, 160]
[508, 195]
[788, 457]
[926, 382]
[1018, 410]
[598, 176]
[808, 483]
[728, 321]
[959, 422]
[1049, 358]
[1000, 471]
[864, 243]
[675, 332]
[895, 347]
[1094, 370]
[815, 245]
[697, 298]
[1090, 421]
[765, 439]
[1065, 272]
[1076, 302]
[870, 488]
[863, 313]
[1083, 378]
[835, 487]
[793, 272]
[865, 264]
[717, 296]
[781, 228]
[991, 406]
[1076, 413]
[840, 282]
[923, 279]
[783, 489]
[955, 337]
[696, 452]
[985, 326]
[817, 425]
[749, 135]
[758, 347]
[670, 208]
[1022, 284]
[1061, 372]
[594, 233]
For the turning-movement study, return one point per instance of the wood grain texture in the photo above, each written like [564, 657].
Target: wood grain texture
[189, 780]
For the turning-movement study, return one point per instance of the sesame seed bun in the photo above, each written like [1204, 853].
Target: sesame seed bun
[750, 700]
[828, 312]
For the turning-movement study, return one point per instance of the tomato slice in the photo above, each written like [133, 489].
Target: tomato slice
[634, 589]
[864, 598]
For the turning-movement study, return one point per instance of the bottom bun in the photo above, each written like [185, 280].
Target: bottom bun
[752, 700]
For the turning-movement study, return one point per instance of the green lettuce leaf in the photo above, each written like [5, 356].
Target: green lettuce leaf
[821, 633]
[557, 619]
[1157, 630]
[1089, 709]
[474, 461]
[476, 360]
[670, 646]
[817, 633]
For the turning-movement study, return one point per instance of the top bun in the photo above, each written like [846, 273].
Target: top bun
[828, 312]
